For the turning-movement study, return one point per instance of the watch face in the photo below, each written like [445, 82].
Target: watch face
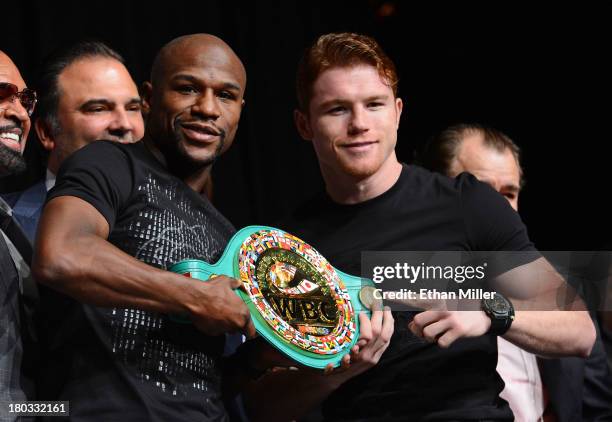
[297, 292]
[498, 305]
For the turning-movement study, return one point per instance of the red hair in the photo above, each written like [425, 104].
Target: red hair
[341, 50]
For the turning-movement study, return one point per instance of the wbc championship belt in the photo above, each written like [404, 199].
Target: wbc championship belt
[299, 303]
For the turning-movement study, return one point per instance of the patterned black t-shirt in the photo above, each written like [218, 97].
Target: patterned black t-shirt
[130, 364]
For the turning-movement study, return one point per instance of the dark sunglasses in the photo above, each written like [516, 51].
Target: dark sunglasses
[27, 97]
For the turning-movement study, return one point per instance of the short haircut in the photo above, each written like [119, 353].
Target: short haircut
[441, 150]
[47, 88]
[341, 50]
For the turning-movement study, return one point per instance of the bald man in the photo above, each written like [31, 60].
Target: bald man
[16, 104]
[118, 217]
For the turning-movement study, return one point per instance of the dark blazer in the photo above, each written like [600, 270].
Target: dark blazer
[580, 389]
[27, 207]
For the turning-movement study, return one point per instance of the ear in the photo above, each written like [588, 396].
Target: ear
[44, 135]
[399, 106]
[146, 92]
[302, 125]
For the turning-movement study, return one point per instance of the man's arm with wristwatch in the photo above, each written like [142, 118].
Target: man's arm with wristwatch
[552, 332]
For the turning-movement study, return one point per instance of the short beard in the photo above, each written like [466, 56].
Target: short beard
[180, 163]
[11, 161]
[358, 172]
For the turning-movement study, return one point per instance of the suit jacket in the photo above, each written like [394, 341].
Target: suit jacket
[580, 389]
[18, 343]
[27, 207]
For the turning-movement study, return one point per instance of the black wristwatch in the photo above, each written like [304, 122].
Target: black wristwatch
[501, 312]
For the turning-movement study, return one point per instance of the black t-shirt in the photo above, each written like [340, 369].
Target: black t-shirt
[130, 364]
[423, 211]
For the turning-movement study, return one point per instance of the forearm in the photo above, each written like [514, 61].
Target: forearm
[73, 256]
[94, 271]
[551, 320]
[553, 333]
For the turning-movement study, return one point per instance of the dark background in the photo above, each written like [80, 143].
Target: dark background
[537, 75]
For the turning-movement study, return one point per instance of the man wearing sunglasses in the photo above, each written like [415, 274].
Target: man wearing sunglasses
[16, 105]
[85, 94]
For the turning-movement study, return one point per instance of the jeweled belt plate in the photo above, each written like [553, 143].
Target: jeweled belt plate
[298, 301]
